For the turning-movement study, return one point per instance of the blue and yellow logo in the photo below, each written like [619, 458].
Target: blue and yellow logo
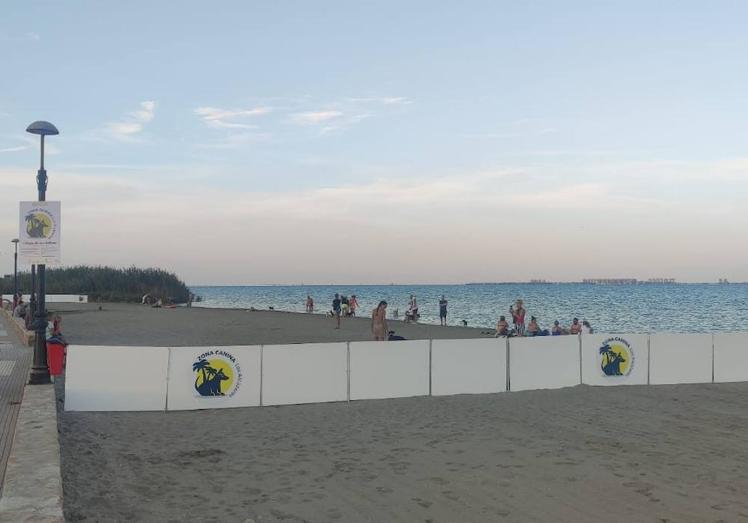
[217, 373]
[40, 224]
[616, 357]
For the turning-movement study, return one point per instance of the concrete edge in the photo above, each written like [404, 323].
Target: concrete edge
[32, 489]
[27, 337]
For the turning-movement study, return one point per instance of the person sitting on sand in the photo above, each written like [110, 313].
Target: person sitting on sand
[502, 327]
[575, 327]
[533, 329]
[379, 321]
[336, 310]
[391, 336]
[556, 330]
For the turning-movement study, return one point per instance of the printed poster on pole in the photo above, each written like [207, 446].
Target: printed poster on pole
[39, 233]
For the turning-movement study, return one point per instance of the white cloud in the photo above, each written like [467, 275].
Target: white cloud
[225, 118]
[133, 123]
[14, 149]
[315, 117]
[384, 100]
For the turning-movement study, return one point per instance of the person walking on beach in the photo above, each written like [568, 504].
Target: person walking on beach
[379, 321]
[309, 303]
[518, 317]
[353, 304]
[336, 310]
[443, 311]
[412, 313]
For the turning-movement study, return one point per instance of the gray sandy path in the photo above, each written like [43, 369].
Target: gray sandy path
[653, 454]
[131, 324]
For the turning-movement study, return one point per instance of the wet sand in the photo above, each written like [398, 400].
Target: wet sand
[128, 324]
[651, 454]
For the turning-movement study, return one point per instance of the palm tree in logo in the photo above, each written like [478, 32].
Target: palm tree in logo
[203, 366]
[611, 362]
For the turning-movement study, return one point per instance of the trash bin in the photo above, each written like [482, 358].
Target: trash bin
[55, 358]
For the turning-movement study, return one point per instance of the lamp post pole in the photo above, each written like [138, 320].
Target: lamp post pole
[39, 370]
[15, 269]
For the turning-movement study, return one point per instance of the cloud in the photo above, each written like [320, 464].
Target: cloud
[14, 149]
[315, 117]
[225, 118]
[133, 123]
[384, 100]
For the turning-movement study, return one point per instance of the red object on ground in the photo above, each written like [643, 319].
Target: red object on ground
[55, 358]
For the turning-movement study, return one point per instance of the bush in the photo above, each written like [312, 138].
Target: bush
[107, 283]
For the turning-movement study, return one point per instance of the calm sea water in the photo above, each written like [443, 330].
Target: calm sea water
[609, 308]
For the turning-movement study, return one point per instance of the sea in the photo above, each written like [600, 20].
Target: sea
[632, 308]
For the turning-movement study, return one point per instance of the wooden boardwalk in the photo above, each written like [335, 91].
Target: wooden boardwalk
[15, 362]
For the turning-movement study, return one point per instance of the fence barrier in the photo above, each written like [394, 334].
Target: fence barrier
[185, 378]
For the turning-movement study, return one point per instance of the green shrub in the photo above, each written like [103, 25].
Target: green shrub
[106, 283]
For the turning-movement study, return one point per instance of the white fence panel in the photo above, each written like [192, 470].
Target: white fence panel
[730, 357]
[304, 373]
[615, 359]
[473, 366]
[394, 369]
[680, 358]
[116, 378]
[545, 362]
[213, 377]
[61, 298]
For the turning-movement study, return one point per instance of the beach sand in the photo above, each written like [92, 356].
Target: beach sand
[629, 453]
[130, 324]
[665, 453]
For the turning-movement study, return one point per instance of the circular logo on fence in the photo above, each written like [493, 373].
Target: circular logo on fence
[217, 373]
[616, 357]
[40, 224]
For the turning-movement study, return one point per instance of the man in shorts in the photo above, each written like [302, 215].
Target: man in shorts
[336, 309]
[443, 311]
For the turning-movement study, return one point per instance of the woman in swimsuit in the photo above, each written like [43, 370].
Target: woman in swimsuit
[353, 304]
[518, 316]
[379, 322]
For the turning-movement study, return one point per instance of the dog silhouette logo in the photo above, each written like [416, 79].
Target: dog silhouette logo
[39, 224]
[217, 373]
[616, 357]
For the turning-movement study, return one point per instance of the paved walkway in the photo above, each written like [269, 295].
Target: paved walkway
[15, 362]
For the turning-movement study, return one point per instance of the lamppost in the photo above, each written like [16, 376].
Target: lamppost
[15, 269]
[39, 370]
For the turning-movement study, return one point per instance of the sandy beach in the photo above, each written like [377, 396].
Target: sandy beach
[651, 454]
[130, 324]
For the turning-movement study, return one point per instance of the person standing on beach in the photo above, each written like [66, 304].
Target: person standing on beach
[575, 327]
[443, 311]
[353, 304]
[336, 310]
[379, 322]
[309, 303]
[518, 316]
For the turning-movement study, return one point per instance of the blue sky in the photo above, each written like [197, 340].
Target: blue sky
[462, 139]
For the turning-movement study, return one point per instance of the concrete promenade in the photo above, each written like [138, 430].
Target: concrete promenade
[30, 466]
[15, 362]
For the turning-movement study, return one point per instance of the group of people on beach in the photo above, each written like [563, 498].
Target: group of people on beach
[344, 306]
[518, 313]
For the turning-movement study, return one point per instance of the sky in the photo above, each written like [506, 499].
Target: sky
[384, 142]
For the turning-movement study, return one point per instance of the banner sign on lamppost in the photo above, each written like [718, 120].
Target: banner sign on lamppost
[39, 233]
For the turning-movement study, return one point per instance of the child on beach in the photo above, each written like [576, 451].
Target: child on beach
[502, 327]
